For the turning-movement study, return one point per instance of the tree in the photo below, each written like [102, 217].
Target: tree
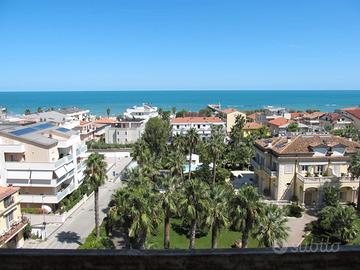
[192, 138]
[331, 196]
[349, 132]
[175, 163]
[194, 205]
[95, 175]
[40, 110]
[236, 133]
[27, 112]
[246, 212]
[272, 229]
[205, 112]
[181, 113]
[140, 152]
[354, 169]
[178, 143]
[218, 218]
[108, 111]
[216, 146]
[156, 135]
[173, 110]
[293, 127]
[168, 199]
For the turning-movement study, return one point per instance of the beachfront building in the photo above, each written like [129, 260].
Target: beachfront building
[203, 125]
[12, 223]
[301, 166]
[144, 112]
[125, 131]
[334, 121]
[229, 115]
[353, 114]
[270, 113]
[44, 160]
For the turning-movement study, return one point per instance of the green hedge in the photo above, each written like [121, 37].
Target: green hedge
[103, 242]
[72, 199]
[31, 210]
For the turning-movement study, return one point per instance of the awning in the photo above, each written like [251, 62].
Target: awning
[41, 175]
[60, 172]
[313, 163]
[69, 167]
[18, 174]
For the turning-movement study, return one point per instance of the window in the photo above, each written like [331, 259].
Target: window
[304, 168]
[8, 201]
[289, 168]
[319, 169]
[198, 126]
[177, 126]
[9, 219]
[337, 170]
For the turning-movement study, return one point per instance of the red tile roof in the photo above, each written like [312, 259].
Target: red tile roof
[279, 121]
[353, 111]
[253, 115]
[228, 110]
[252, 125]
[296, 115]
[7, 191]
[106, 121]
[196, 120]
[332, 116]
[313, 115]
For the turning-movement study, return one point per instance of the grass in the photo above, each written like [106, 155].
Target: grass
[225, 239]
[103, 242]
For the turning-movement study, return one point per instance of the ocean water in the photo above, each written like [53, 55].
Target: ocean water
[118, 101]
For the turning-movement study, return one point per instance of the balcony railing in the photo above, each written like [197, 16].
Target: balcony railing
[13, 230]
[323, 179]
[270, 172]
[254, 163]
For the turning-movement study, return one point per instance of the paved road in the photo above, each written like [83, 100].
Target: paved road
[297, 226]
[79, 225]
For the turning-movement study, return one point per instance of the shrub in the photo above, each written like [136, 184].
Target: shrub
[27, 231]
[331, 196]
[294, 210]
[266, 192]
[103, 242]
[31, 210]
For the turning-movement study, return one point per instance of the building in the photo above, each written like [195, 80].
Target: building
[12, 224]
[87, 130]
[252, 117]
[76, 113]
[250, 128]
[55, 117]
[301, 166]
[125, 131]
[144, 112]
[334, 121]
[353, 114]
[203, 125]
[270, 113]
[229, 115]
[2, 113]
[44, 160]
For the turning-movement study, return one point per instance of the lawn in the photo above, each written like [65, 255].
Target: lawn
[225, 239]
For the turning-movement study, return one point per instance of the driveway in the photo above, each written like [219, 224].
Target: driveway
[297, 229]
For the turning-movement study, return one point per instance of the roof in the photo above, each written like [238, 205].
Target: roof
[296, 115]
[253, 115]
[7, 191]
[54, 116]
[302, 144]
[313, 115]
[353, 111]
[332, 116]
[72, 110]
[179, 120]
[280, 121]
[252, 125]
[228, 110]
[106, 121]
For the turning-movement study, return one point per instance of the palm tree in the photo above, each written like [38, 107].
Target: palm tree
[192, 138]
[140, 152]
[173, 110]
[168, 197]
[246, 212]
[354, 169]
[218, 217]
[194, 205]
[179, 143]
[108, 111]
[176, 161]
[95, 175]
[27, 112]
[216, 146]
[272, 229]
[40, 110]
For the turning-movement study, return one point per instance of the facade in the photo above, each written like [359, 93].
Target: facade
[302, 166]
[203, 125]
[76, 113]
[12, 223]
[144, 112]
[334, 121]
[250, 128]
[87, 130]
[271, 113]
[353, 114]
[230, 115]
[44, 160]
[125, 131]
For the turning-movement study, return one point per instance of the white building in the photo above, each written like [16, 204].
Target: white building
[55, 117]
[144, 112]
[203, 125]
[125, 131]
[271, 113]
[44, 160]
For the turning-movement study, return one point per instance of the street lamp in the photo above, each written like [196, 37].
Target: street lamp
[43, 210]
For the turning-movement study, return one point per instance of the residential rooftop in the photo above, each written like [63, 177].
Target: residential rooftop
[180, 120]
[353, 111]
[7, 191]
[72, 110]
[279, 121]
[251, 126]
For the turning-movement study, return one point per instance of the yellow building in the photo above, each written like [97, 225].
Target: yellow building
[229, 116]
[303, 166]
[12, 223]
[250, 128]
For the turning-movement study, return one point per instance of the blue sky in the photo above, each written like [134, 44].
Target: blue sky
[179, 44]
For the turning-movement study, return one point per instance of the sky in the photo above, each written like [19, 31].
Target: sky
[179, 44]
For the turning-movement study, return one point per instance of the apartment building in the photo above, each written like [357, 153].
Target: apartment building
[334, 121]
[87, 130]
[125, 131]
[45, 161]
[55, 117]
[229, 115]
[312, 120]
[144, 112]
[270, 113]
[302, 166]
[353, 114]
[203, 125]
[12, 223]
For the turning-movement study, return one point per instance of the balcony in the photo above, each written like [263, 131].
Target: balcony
[15, 228]
[324, 179]
[12, 148]
[270, 172]
[254, 163]
[47, 198]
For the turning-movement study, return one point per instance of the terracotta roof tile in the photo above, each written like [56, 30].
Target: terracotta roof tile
[106, 121]
[279, 121]
[353, 111]
[228, 110]
[253, 115]
[7, 191]
[252, 125]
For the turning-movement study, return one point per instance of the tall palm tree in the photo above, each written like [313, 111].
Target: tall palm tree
[176, 161]
[108, 111]
[95, 175]
[192, 138]
[140, 152]
[246, 212]
[218, 217]
[168, 198]
[216, 146]
[272, 229]
[194, 205]
[179, 143]
[354, 169]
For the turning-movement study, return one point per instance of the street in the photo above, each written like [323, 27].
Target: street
[79, 225]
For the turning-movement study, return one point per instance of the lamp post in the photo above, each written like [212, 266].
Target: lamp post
[43, 210]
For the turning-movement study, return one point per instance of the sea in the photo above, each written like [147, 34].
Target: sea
[98, 101]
